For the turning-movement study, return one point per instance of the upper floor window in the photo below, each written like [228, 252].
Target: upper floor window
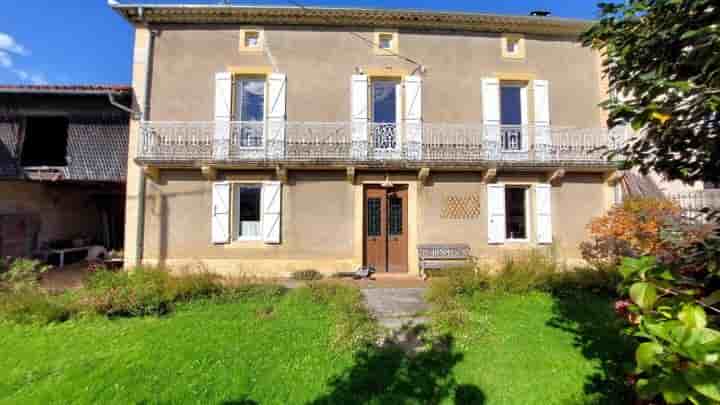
[384, 112]
[513, 46]
[251, 39]
[386, 42]
[250, 110]
[513, 114]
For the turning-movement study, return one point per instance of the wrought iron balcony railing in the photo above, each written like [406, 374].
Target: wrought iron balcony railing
[229, 142]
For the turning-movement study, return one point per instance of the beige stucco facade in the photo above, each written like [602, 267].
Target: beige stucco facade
[322, 210]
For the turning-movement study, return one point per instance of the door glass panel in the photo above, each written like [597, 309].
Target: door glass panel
[373, 212]
[395, 219]
[511, 117]
[384, 113]
[250, 109]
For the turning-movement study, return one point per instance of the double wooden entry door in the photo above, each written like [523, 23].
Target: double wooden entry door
[386, 225]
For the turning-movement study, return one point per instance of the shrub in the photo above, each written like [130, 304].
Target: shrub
[307, 275]
[631, 229]
[22, 274]
[143, 291]
[190, 285]
[34, 306]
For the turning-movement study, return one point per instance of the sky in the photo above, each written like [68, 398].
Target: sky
[85, 42]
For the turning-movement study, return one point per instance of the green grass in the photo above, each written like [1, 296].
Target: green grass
[538, 349]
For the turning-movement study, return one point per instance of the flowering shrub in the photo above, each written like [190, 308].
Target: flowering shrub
[631, 229]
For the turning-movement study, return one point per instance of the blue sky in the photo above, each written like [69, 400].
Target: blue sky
[84, 41]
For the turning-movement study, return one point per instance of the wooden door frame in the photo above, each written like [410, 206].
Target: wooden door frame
[359, 221]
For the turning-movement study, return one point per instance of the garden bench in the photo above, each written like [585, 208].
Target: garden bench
[437, 256]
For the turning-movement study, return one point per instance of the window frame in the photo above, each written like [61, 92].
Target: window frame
[524, 113]
[520, 49]
[235, 211]
[528, 224]
[236, 79]
[399, 109]
[394, 43]
[242, 47]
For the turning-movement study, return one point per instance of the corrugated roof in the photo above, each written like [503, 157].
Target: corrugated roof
[65, 89]
[415, 19]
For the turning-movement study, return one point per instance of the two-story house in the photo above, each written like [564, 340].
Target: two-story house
[278, 139]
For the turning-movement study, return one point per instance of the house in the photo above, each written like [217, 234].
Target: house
[63, 156]
[279, 139]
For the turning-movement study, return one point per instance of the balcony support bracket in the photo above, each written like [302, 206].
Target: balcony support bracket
[490, 175]
[350, 174]
[424, 175]
[555, 177]
[613, 177]
[152, 173]
[209, 172]
[282, 174]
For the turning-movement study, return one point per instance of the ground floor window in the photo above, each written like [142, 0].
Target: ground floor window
[248, 211]
[516, 213]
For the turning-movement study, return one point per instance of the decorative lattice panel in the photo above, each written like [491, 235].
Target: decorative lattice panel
[466, 206]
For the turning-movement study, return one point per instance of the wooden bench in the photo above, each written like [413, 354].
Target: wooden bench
[438, 256]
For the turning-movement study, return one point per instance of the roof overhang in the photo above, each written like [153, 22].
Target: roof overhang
[346, 17]
[82, 90]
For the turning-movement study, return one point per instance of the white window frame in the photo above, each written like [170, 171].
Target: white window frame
[236, 79]
[235, 212]
[524, 133]
[399, 111]
[526, 188]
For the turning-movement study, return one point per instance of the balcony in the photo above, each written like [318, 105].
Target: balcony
[372, 144]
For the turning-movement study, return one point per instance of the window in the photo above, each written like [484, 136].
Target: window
[513, 46]
[248, 211]
[45, 141]
[516, 219]
[250, 111]
[386, 42]
[251, 40]
[384, 113]
[513, 114]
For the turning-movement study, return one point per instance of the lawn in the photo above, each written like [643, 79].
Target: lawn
[539, 348]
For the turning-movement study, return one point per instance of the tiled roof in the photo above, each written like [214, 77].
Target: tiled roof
[65, 89]
[347, 17]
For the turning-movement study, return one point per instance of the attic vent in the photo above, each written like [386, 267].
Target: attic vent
[540, 13]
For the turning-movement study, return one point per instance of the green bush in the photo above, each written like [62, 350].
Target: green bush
[143, 291]
[34, 306]
[22, 274]
[187, 286]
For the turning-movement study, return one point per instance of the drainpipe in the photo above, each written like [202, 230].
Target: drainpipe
[144, 116]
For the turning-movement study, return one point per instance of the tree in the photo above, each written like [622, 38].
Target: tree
[662, 62]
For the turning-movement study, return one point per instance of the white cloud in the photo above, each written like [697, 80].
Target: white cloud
[10, 48]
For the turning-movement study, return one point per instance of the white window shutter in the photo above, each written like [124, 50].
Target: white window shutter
[491, 114]
[271, 211]
[543, 208]
[359, 115]
[277, 99]
[220, 227]
[541, 96]
[413, 117]
[496, 213]
[223, 111]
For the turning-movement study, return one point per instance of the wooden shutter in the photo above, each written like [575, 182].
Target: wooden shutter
[220, 227]
[541, 96]
[496, 213]
[413, 117]
[491, 114]
[543, 209]
[271, 211]
[277, 101]
[223, 111]
[359, 115]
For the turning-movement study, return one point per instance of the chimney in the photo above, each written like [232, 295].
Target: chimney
[540, 13]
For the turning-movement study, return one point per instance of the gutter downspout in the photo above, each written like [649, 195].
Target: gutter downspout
[116, 104]
[144, 116]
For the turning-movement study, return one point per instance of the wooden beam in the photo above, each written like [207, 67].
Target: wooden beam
[556, 176]
[350, 174]
[282, 174]
[424, 175]
[152, 173]
[490, 175]
[209, 172]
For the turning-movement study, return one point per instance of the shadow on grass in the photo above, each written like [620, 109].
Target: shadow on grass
[401, 372]
[597, 332]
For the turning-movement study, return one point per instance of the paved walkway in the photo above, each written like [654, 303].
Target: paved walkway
[396, 307]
